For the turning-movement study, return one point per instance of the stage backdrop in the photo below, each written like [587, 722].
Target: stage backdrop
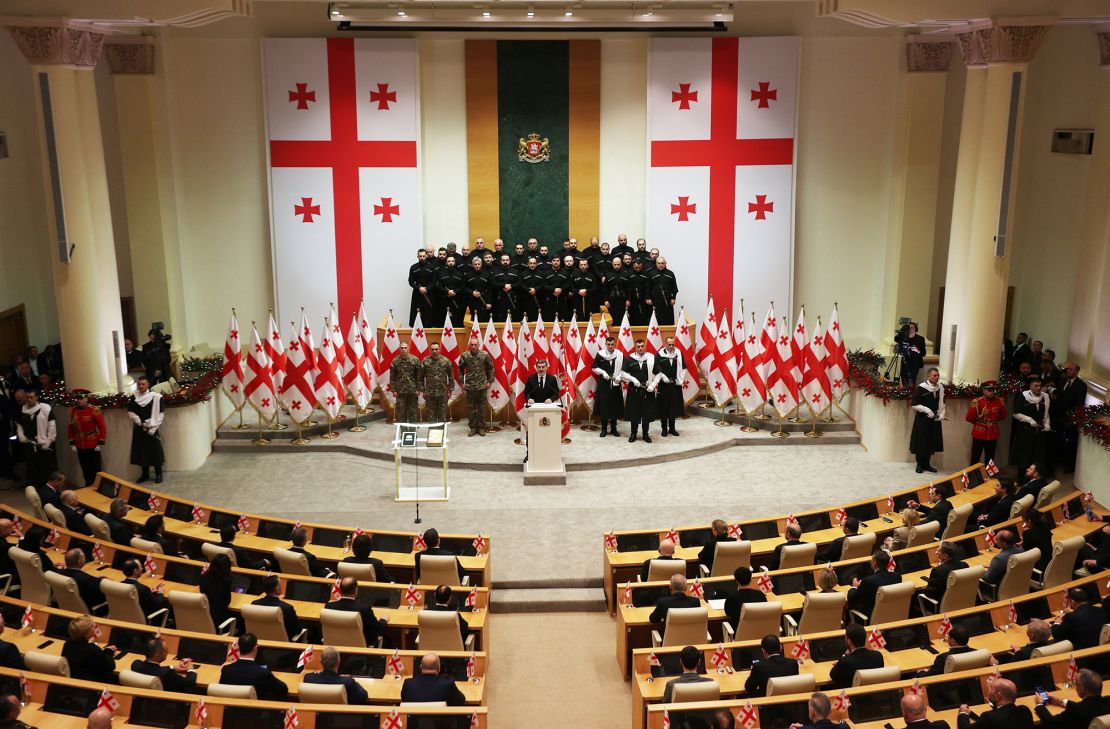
[343, 119]
[721, 170]
[549, 89]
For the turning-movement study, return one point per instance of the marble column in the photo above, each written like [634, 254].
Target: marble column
[996, 54]
[63, 55]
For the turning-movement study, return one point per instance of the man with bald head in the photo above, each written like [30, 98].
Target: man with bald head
[914, 712]
[677, 599]
[429, 685]
[666, 551]
[1005, 714]
[101, 718]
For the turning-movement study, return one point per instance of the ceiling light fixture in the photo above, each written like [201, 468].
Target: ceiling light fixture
[485, 13]
[401, 13]
[567, 14]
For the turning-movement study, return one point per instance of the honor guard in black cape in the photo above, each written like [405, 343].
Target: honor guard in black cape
[928, 405]
[498, 249]
[520, 259]
[145, 412]
[592, 252]
[582, 291]
[506, 291]
[664, 292]
[622, 247]
[421, 280]
[609, 403]
[639, 406]
[431, 261]
[451, 290]
[641, 253]
[36, 430]
[639, 293]
[478, 292]
[554, 296]
[616, 291]
[479, 250]
[1032, 423]
[669, 401]
[531, 288]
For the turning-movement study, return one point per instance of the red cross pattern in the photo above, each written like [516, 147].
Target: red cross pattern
[684, 209]
[683, 96]
[302, 96]
[764, 94]
[387, 210]
[383, 96]
[761, 207]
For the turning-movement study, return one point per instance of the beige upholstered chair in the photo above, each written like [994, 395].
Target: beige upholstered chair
[67, 594]
[803, 683]
[684, 626]
[797, 555]
[210, 550]
[440, 631]
[36, 503]
[966, 661]
[1019, 571]
[48, 663]
[727, 556]
[123, 604]
[1052, 649]
[696, 691]
[821, 611]
[423, 704]
[1100, 722]
[659, 570]
[231, 691]
[1104, 635]
[192, 612]
[145, 545]
[1060, 567]
[870, 676]
[441, 569]
[33, 586]
[344, 627]
[99, 527]
[54, 514]
[135, 679]
[757, 619]
[1048, 494]
[958, 594]
[892, 603]
[322, 693]
[923, 534]
[267, 623]
[291, 563]
[957, 521]
[860, 545]
[361, 572]
[1020, 506]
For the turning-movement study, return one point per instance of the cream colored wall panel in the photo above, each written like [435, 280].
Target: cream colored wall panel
[623, 188]
[443, 141]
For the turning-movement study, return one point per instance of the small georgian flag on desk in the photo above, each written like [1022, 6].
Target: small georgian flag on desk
[801, 649]
[876, 640]
[747, 716]
[28, 620]
[719, 659]
[841, 702]
[98, 553]
[198, 513]
[764, 583]
[944, 627]
[992, 469]
[153, 502]
[735, 531]
[395, 665]
[305, 657]
[611, 542]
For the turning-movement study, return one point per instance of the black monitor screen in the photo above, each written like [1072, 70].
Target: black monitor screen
[949, 695]
[183, 572]
[760, 530]
[398, 543]
[57, 626]
[362, 664]
[242, 583]
[10, 685]
[647, 596]
[695, 537]
[64, 699]
[278, 530]
[814, 522]
[639, 542]
[876, 706]
[454, 666]
[130, 641]
[179, 510]
[307, 591]
[906, 637]
[1075, 507]
[138, 499]
[348, 721]
[828, 649]
[13, 614]
[968, 547]
[283, 660]
[864, 512]
[793, 582]
[218, 519]
[1028, 679]
[460, 546]
[154, 712]
[979, 623]
[671, 665]
[330, 537]
[245, 717]
[781, 716]
[743, 658]
[379, 597]
[202, 651]
[901, 501]
[108, 487]
[912, 561]
[1036, 608]
[974, 477]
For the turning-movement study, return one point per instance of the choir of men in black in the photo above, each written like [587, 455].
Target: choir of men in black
[532, 280]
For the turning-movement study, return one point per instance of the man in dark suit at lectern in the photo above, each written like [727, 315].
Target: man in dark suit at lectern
[540, 386]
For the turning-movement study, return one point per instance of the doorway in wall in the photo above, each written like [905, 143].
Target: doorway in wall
[13, 333]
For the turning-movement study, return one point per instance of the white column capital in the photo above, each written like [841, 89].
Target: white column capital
[1001, 40]
[56, 42]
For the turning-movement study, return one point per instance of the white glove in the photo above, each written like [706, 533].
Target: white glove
[665, 378]
[97, 449]
[73, 448]
[651, 387]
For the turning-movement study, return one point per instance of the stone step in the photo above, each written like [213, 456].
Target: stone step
[541, 584]
[843, 422]
[548, 600]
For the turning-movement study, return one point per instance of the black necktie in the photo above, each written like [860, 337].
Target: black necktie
[541, 382]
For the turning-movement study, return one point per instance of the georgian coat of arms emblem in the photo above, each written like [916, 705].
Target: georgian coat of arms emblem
[533, 149]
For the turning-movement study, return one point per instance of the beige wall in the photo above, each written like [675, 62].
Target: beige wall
[443, 142]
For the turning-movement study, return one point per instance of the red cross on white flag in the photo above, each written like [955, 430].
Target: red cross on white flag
[626, 343]
[418, 543]
[875, 639]
[890, 503]
[335, 593]
[149, 565]
[418, 338]
[258, 383]
[696, 589]
[841, 702]
[97, 553]
[297, 392]
[666, 719]
[391, 345]
[523, 366]
[672, 535]
[107, 701]
[243, 523]
[801, 649]
[721, 378]
[719, 658]
[730, 152]
[305, 658]
[17, 526]
[684, 342]
[202, 712]
[395, 665]
[816, 391]
[232, 651]
[735, 531]
[291, 720]
[799, 340]
[1073, 670]
[782, 387]
[329, 358]
[764, 583]
[791, 520]
[370, 347]
[355, 377]
[472, 665]
[965, 482]
[479, 543]
[836, 359]
[472, 598]
[627, 593]
[611, 542]
[992, 470]
[1011, 614]
[197, 513]
[275, 351]
[231, 373]
[944, 627]
[747, 716]
[351, 149]
[28, 620]
[412, 595]
[392, 720]
[51, 537]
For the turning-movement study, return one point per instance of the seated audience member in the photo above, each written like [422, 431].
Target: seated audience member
[1039, 633]
[87, 660]
[827, 581]
[1083, 624]
[243, 558]
[9, 652]
[361, 547]
[689, 657]
[957, 643]
[677, 599]
[215, 583]
[1039, 536]
[10, 709]
[329, 674]
[1003, 712]
[1093, 556]
[88, 586]
[745, 593]
[248, 672]
[1006, 541]
[820, 706]
[857, 657]
[179, 677]
[723, 719]
[1000, 512]
[154, 530]
[149, 601]
[836, 547]
[101, 718]
[51, 491]
[709, 549]
[120, 530]
[914, 713]
[271, 587]
[863, 593]
[1034, 482]
[793, 538]
[666, 551]
[948, 554]
[32, 542]
[74, 513]
[429, 685]
[773, 664]
[900, 539]
[7, 566]
[443, 604]
[939, 511]
[1076, 714]
[299, 537]
[372, 626]
[431, 542]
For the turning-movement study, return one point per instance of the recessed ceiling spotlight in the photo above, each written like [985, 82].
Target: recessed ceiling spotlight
[531, 14]
[485, 13]
[401, 12]
[567, 14]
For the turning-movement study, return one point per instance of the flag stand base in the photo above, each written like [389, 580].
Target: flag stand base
[300, 439]
[749, 428]
[814, 433]
[492, 426]
[567, 440]
[356, 428]
[589, 426]
[241, 425]
[261, 440]
[780, 433]
[722, 423]
[331, 433]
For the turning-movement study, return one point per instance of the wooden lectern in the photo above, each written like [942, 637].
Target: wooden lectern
[545, 442]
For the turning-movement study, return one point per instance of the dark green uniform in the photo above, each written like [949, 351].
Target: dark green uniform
[476, 371]
[404, 379]
[437, 376]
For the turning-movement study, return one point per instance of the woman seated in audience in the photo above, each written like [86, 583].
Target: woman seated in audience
[87, 660]
[32, 542]
[900, 539]
[361, 548]
[827, 581]
[215, 583]
[1039, 534]
[709, 550]
[155, 531]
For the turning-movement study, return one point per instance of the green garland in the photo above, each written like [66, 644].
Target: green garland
[202, 365]
[863, 374]
[199, 390]
[1094, 422]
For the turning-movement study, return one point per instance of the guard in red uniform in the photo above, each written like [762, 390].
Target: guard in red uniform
[985, 413]
[86, 434]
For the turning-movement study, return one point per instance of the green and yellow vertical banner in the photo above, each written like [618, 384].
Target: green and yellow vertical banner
[533, 113]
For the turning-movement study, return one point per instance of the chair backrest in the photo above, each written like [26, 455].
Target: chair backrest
[822, 611]
[34, 586]
[966, 661]
[322, 693]
[344, 627]
[231, 691]
[423, 704]
[140, 680]
[54, 514]
[265, 621]
[659, 570]
[869, 676]
[1100, 722]
[123, 602]
[696, 690]
[757, 619]
[892, 603]
[1104, 635]
[191, 611]
[923, 533]
[40, 662]
[441, 569]
[1052, 649]
[1060, 566]
[439, 629]
[1020, 506]
[797, 555]
[1047, 493]
[803, 683]
[290, 562]
[99, 527]
[66, 593]
[686, 626]
[32, 495]
[1019, 569]
[860, 545]
[963, 587]
[210, 550]
[957, 521]
[727, 556]
[363, 572]
[146, 545]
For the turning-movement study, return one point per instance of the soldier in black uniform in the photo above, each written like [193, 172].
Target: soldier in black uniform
[430, 259]
[478, 292]
[543, 260]
[639, 407]
[669, 401]
[582, 290]
[421, 281]
[450, 289]
[533, 249]
[622, 246]
[639, 292]
[531, 286]
[592, 252]
[616, 291]
[506, 290]
[554, 296]
[664, 292]
[520, 258]
[609, 405]
[641, 253]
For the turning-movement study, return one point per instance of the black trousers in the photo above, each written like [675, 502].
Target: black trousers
[89, 459]
[923, 460]
[982, 450]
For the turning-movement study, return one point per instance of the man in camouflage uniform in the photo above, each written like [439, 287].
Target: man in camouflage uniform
[437, 377]
[476, 371]
[404, 378]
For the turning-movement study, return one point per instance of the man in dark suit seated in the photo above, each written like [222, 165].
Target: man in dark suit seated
[247, 672]
[299, 537]
[773, 664]
[88, 586]
[863, 593]
[1005, 714]
[689, 657]
[677, 599]
[10, 656]
[271, 586]
[1083, 624]
[51, 492]
[832, 552]
[948, 554]
[74, 513]
[443, 604]
[149, 600]
[745, 593]
[180, 677]
[793, 538]
[1034, 482]
[432, 549]
[7, 566]
[857, 657]
[1006, 541]
[120, 531]
[666, 551]
[428, 685]
[820, 706]
[1076, 714]
[372, 626]
[1000, 512]
[957, 644]
[361, 547]
[1039, 633]
[914, 712]
[329, 663]
[243, 558]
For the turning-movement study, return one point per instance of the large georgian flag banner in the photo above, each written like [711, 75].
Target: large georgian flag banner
[721, 169]
[343, 118]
